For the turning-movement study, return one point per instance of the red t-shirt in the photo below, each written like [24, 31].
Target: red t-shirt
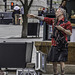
[66, 25]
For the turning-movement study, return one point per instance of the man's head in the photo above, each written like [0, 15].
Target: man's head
[16, 4]
[60, 11]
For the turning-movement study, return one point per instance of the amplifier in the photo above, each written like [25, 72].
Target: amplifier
[15, 54]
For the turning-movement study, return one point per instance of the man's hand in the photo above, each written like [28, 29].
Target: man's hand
[30, 15]
[36, 17]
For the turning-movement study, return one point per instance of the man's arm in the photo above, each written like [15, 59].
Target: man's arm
[46, 19]
[68, 32]
[34, 16]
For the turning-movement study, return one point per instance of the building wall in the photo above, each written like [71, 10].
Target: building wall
[1, 6]
[55, 3]
[36, 3]
[33, 10]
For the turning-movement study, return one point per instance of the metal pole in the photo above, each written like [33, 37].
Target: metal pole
[5, 5]
[50, 6]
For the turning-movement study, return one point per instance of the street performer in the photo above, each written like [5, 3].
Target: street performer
[61, 28]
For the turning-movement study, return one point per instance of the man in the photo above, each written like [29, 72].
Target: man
[59, 49]
[16, 7]
[16, 10]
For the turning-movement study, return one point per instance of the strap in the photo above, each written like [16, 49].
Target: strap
[65, 21]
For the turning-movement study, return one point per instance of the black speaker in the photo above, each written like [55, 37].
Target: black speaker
[13, 54]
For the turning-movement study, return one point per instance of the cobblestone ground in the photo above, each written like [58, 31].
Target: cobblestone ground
[42, 74]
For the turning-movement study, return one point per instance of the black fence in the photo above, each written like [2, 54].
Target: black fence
[5, 17]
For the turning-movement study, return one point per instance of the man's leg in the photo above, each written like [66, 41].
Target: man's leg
[22, 19]
[55, 68]
[62, 65]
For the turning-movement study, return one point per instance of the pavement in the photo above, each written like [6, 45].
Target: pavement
[13, 33]
[13, 73]
[42, 74]
[8, 31]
